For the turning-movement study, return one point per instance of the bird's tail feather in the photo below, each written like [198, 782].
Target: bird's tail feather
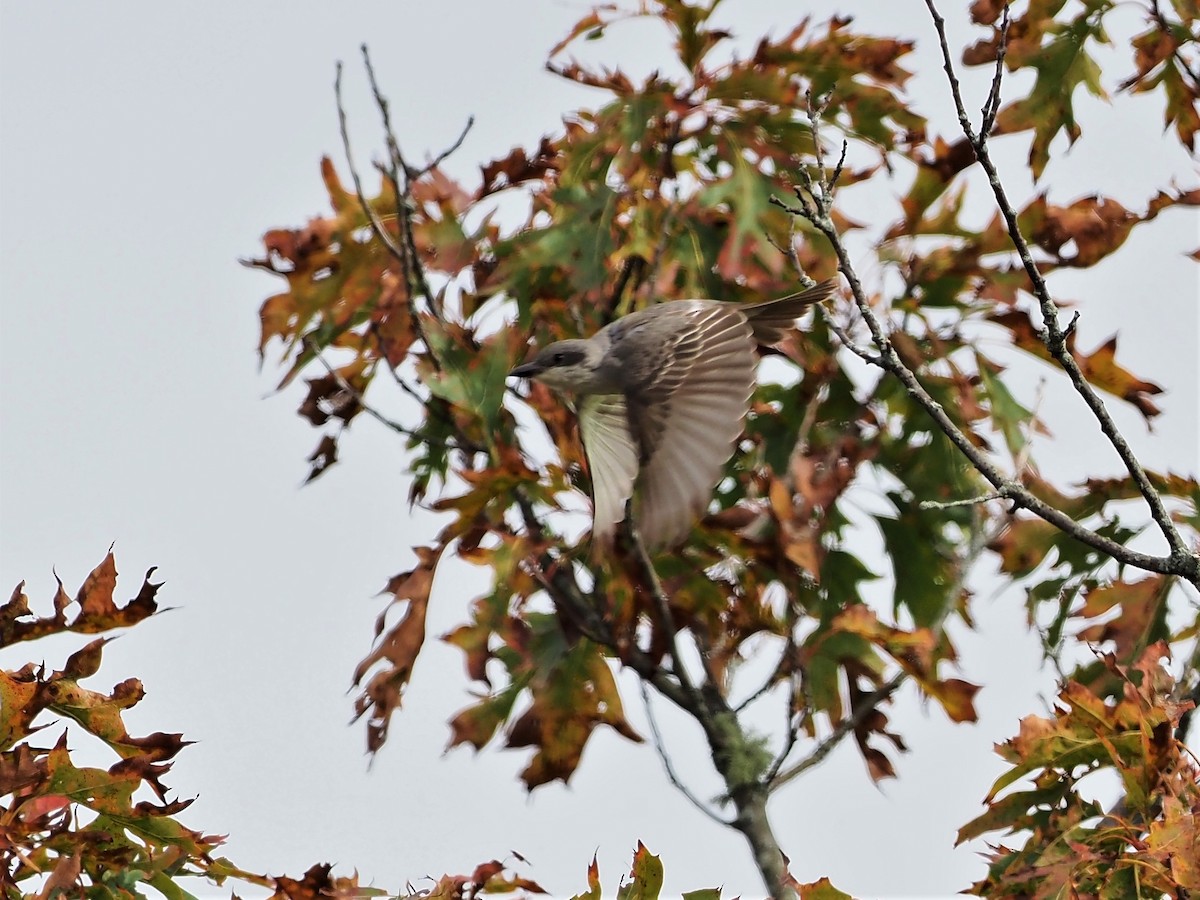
[774, 317]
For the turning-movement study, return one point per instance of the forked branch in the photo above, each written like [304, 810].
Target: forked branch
[815, 204]
[1181, 561]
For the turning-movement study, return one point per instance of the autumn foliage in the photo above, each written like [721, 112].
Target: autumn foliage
[722, 175]
[73, 830]
[889, 418]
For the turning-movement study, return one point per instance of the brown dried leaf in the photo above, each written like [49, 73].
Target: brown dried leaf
[398, 649]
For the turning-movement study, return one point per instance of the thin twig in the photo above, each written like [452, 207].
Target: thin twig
[662, 606]
[992, 105]
[672, 775]
[401, 207]
[381, 102]
[865, 706]
[346, 386]
[969, 501]
[449, 151]
[848, 342]
[792, 731]
[782, 666]
[372, 218]
[980, 539]
[806, 282]
[1181, 561]
[403, 188]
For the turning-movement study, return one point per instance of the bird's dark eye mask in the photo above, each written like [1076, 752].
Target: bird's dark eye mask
[566, 358]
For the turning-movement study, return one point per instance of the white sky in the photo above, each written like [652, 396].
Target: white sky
[144, 148]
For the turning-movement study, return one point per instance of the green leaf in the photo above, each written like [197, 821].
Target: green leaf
[922, 562]
[1008, 416]
[646, 877]
[471, 379]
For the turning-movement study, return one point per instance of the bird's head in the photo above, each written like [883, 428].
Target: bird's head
[564, 366]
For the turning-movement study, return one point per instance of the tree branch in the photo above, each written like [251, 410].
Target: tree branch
[865, 706]
[356, 394]
[815, 206]
[400, 253]
[669, 768]
[372, 218]
[402, 175]
[992, 105]
[661, 605]
[1181, 561]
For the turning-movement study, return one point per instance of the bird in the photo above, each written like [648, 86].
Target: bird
[661, 397]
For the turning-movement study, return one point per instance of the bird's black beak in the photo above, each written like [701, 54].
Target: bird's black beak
[526, 370]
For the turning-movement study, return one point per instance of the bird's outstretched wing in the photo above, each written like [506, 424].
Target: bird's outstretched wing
[692, 373]
[612, 459]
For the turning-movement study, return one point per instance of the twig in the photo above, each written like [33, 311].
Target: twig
[792, 732]
[816, 210]
[771, 680]
[806, 282]
[969, 501]
[372, 218]
[992, 105]
[445, 154]
[980, 539]
[865, 706]
[1181, 561]
[662, 605]
[401, 206]
[403, 187]
[381, 102]
[672, 775]
[861, 352]
[346, 386]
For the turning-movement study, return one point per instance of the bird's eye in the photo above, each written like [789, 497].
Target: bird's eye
[559, 358]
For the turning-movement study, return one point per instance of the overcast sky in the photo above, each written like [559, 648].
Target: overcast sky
[144, 148]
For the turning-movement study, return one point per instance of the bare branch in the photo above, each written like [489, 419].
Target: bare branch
[865, 706]
[351, 390]
[381, 102]
[814, 206]
[773, 679]
[1181, 561]
[992, 105]
[448, 152]
[661, 604]
[969, 501]
[372, 218]
[400, 253]
[669, 768]
[848, 342]
[401, 175]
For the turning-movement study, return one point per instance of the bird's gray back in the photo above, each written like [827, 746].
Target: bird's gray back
[642, 343]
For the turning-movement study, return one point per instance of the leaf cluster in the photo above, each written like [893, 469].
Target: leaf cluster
[680, 184]
[73, 830]
[63, 824]
[1149, 845]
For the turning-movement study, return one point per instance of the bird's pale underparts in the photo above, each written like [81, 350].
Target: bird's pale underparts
[662, 396]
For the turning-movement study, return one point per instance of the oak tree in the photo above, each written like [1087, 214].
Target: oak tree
[725, 175]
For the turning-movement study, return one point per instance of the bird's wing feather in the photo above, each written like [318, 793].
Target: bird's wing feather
[686, 406]
[612, 459]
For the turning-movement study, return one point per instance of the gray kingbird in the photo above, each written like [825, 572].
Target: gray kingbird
[661, 396]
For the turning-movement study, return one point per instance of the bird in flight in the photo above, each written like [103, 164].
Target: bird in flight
[661, 396]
